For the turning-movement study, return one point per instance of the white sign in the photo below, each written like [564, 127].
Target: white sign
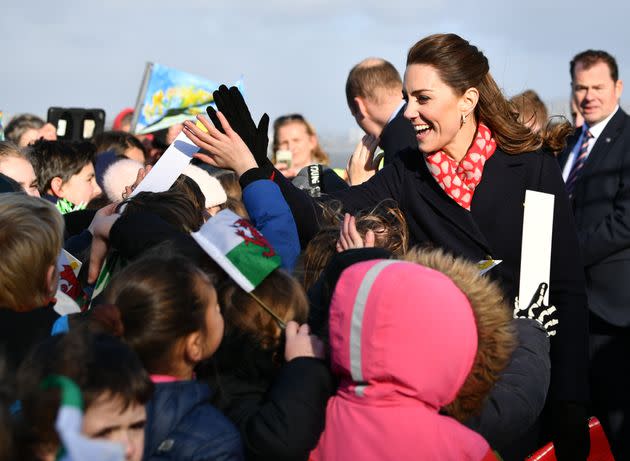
[168, 168]
[536, 245]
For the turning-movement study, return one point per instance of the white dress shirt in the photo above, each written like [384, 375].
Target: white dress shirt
[400, 106]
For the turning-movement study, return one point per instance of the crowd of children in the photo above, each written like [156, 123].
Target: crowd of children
[202, 326]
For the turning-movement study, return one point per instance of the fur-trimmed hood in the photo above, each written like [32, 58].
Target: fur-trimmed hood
[403, 340]
[496, 334]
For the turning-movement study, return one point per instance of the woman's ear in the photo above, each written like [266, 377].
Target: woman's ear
[56, 186]
[468, 101]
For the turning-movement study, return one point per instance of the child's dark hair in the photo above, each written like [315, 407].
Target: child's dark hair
[161, 300]
[98, 363]
[386, 220]
[191, 189]
[117, 141]
[62, 159]
[173, 206]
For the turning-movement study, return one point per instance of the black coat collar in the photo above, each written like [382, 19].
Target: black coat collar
[605, 140]
[502, 172]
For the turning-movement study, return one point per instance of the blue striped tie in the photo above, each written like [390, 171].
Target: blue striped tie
[578, 164]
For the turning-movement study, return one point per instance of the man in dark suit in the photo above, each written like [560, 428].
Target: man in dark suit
[596, 169]
[374, 94]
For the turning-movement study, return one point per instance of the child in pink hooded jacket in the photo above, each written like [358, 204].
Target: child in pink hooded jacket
[403, 340]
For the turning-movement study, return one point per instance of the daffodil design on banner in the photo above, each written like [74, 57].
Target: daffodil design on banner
[169, 96]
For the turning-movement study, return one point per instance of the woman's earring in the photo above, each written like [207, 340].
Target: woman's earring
[463, 120]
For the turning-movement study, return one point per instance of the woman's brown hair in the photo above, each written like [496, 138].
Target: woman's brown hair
[532, 111]
[462, 66]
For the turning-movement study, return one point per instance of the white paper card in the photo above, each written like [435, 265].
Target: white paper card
[172, 163]
[536, 245]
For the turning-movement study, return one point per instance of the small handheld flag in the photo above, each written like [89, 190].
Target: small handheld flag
[241, 251]
[76, 446]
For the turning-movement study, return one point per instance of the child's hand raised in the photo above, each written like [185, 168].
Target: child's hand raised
[224, 150]
[300, 343]
[349, 236]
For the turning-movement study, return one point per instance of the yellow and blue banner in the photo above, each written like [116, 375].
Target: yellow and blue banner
[168, 96]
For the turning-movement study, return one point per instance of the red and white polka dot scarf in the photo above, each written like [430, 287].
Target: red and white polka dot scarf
[459, 180]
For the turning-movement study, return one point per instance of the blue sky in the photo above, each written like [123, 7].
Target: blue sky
[294, 54]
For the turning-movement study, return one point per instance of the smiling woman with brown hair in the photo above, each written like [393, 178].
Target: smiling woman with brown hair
[463, 190]
[294, 134]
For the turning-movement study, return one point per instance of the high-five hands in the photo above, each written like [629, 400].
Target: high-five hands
[547, 316]
[232, 141]
[224, 150]
[231, 103]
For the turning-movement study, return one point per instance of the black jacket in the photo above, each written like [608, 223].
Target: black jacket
[20, 331]
[279, 409]
[601, 204]
[397, 136]
[493, 227]
[518, 398]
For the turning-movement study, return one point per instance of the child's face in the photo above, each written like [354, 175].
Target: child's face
[81, 187]
[106, 419]
[21, 170]
[214, 322]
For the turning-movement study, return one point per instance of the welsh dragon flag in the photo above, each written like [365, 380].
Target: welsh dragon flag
[238, 247]
[70, 295]
[75, 445]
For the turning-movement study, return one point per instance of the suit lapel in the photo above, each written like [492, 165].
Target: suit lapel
[443, 205]
[604, 143]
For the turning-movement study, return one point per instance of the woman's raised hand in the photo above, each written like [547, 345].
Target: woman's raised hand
[226, 151]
